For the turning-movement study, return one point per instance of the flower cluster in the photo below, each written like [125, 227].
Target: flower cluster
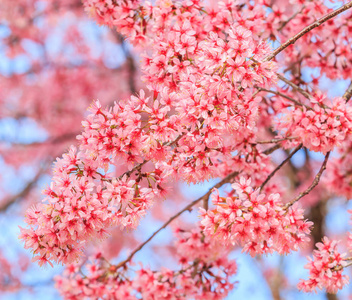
[325, 269]
[84, 200]
[204, 66]
[82, 204]
[128, 16]
[258, 223]
[205, 274]
[202, 109]
[321, 128]
[325, 48]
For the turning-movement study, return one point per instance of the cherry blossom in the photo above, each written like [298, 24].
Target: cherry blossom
[256, 222]
[325, 269]
[225, 84]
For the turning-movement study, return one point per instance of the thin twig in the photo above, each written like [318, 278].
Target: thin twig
[135, 168]
[280, 165]
[52, 140]
[339, 268]
[294, 86]
[348, 94]
[272, 149]
[138, 167]
[6, 203]
[290, 19]
[284, 96]
[305, 30]
[227, 179]
[130, 62]
[312, 186]
[276, 140]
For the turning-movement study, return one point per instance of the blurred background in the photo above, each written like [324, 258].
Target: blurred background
[54, 61]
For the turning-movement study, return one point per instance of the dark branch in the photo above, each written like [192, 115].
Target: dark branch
[348, 94]
[281, 165]
[312, 186]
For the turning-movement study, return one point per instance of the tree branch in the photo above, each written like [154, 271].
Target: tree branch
[294, 86]
[273, 141]
[305, 30]
[348, 94]
[312, 186]
[52, 140]
[290, 19]
[280, 166]
[284, 96]
[272, 149]
[6, 203]
[227, 179]
[129, 62]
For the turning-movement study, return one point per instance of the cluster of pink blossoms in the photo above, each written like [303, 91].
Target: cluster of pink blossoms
[203, 120]
[213, 106]
[325, 269]
[83, 200]
[205, 274]
[129, 17]
[258, 223]
[321, 128]
[326, 48]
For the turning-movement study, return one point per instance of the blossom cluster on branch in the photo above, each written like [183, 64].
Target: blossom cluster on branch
[258, 223]
[205, 274]
[325, 269]
[212, 102]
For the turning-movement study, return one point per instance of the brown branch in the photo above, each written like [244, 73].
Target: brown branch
[348, 94]
[135, 168]
[138, 167]
[129, 62]
[227, 179]
[284, 96]
[280, 165]
[52, 140]
[338, 268]
[312, 186]
[6, 203]
[290, 19]
[307, 29]
[275, 140]
[294, 86]
[206, 203]
[272, 149]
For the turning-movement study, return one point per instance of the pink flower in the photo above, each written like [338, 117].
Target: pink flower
[325, 269]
